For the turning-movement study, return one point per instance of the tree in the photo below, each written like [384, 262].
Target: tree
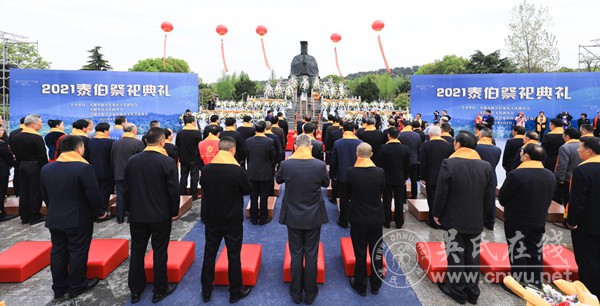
[367, 90]
[156, 65]
[25, 56]
[491, 63]
[225, 86]
[244, 87]
[206, 94]
[531, 46]
[450, 64]
[97, 61]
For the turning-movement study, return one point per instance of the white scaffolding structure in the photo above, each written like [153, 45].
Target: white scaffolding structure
[589, 55]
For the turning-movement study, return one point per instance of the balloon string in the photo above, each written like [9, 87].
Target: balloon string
[223, 55]
[387, 67]
[265, 54]
[165, 52]
[336, 62]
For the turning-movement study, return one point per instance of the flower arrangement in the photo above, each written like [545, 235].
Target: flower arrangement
[278, 92]
[316, 85]
[325, 90]
[269, 91]
[304, 85]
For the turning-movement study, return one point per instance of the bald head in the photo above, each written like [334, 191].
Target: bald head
[364, 150]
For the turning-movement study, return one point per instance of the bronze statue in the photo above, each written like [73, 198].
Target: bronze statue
[304, 64]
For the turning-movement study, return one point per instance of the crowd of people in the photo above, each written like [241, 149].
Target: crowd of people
[368, 168]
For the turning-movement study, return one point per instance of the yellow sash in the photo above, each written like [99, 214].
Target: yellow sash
[100, 135]
[465, 153]
[260, 134]
[393, 141]
[190, 126]
[519, 136]
[56, 130]
[534, 164]
[302, 153]
[595, 159]
[530, 142]
[370, 128]
[78, 132]
[157, 149]
[364, 163]
[572, 141]
[436, 138]
[349, 135]
[247, 124]
[71, 156]
[30, 131]
[406, 129]
[230, 128]
[485, 141]
[225, 158]
[558, 130]
[446, 134]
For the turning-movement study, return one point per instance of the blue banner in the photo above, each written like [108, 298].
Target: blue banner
[101, 96]
[466, 95]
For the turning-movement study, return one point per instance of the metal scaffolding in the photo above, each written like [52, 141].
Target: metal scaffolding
[589, 56]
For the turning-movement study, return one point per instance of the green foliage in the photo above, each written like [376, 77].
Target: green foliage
[398, 71]
[244, 87]
[25, 56]
[97, 61]
[491, 63]
[402, 101]
[225, 86]
[387, 87]
[334, 77]
[450, 64]
[367, 90]
[156, 65]
[206, 93]
[567, 69]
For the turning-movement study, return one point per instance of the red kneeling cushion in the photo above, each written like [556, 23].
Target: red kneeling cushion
[181, 256]
[105, 256]
[251, 258]
[494, 261]
[23, 260]
[287, 264]
[350, 261]
[559, 262]
[431, 256]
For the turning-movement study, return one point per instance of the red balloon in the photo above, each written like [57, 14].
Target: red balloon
[335, 37]
[377, 25]
[261, 30]
[221, 29]
[166, 26]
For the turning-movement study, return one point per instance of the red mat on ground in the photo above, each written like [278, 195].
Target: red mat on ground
[431, 256]
[291, 138]
[560, 262]
[350, 261]
[105, 256]
[251, 258]
[23, 260]
[287, 264]
[494, 261]
[181, 256]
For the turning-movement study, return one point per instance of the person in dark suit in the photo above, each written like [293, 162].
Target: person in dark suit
[343, 156]
[362, 128]
[6, 161]
[305, 119]
[334, 132]
[530, 137]
[214, 120]
[260, 160]
[152, 199]
[169, 146]
[568, 159]
[100, 147]
[280, 134]
[491, 154]
[283, 124]
[461, 215]
[413, 141]
[80, 128]
[478, 128]
[586, 130]
[584, 213]
[187, 146]
[153, 123]
[247, 129]
[317, 146]
[53, 137]
[416, 127]
[303, 212]
[11, 139]
[512, 146]
[364, 185]
[335, 125]
[269, 115]
[373, 137]
[70, 190]
[526, 195]
[488, 119]
[446, 129]
[279, 150]
[433, 152]
[30, 152]
[239, 139]
[540, 124]
[324, 127]
[552, 142]
[224, 185]
[121, 150]
[394, 158]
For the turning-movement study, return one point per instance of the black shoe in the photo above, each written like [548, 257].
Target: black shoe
[206, 295]
[38, 220]
[433, 225]
[472, 299]
[59, 295]
[5, 217]
[354, 285]
[254, 221]
[135, 297]
[297, 299]
[120, 220]
[386, 225]
[374, 290]
[263, 222]
[91, 283]
[310, 300]
[458, 299]
[157, 297]
[489, 227]
[342, 225]
[244, 291]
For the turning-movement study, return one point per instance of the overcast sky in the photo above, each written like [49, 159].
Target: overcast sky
[415, 33]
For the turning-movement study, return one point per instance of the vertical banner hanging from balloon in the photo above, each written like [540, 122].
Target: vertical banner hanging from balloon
[336, 37]
[222, 30]
[261, 30]
[378, 26]
[166, 27]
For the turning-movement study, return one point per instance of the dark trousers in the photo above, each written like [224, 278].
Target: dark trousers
[335, 194]
[462, 278]
[107, 187]
[16, 179]
[542, 132]
[259, 189]
[120, 198]
[587, 251]
[233, 234]
[3, 189]
[563, 190]
[597, 132]
[414, 180]
[30, 199]
[191, 169]
[344, 202]
[69, 257]
[304, 248]
[525, 253]
[430, 199]
[397, 193]
[364, 236]
[160, 233]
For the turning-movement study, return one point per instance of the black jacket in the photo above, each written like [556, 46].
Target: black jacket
[394, 159]
[240, 143]
[6, 159]
[489, 153]
[283, 124]
[510, 151]
[247, 132]
[551, 143]
[206, 131]
[120, 152]
[433, 152]
[223, 189]
[172, 151]
[30, 147]
[413, 141]
[584, 210]
[187, 145]
[100, 157]
[376, 140]
[364, 187]
[151, 188]
[260, 158]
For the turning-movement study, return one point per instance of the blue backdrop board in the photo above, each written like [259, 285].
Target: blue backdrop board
[463, 96]
[101, 96]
